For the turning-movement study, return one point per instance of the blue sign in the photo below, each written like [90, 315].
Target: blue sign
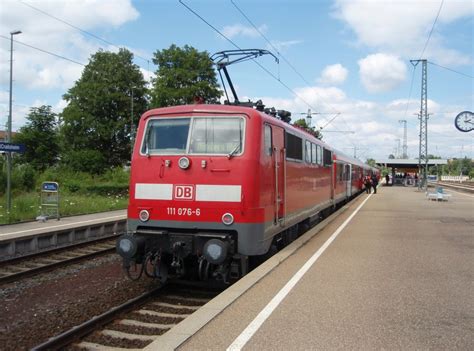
[50, 186]
[9, 147]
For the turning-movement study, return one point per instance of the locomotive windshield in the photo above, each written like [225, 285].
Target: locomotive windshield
[198, 135]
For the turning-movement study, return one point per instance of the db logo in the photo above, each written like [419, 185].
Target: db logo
[184, 192]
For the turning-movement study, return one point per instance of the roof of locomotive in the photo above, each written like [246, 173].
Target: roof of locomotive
[199, 108]
[228, 109]
[249, 111]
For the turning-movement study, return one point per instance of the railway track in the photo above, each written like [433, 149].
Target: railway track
[20, 267]
[136, 323]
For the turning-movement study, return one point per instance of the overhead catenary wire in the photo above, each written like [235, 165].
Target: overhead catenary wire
[411, 90]
[452, 70]
[44, 51]
[282, 56]
[238, 47]
[432, 28]
[81, 30]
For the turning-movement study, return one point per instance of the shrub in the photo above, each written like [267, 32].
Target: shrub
[107, 189]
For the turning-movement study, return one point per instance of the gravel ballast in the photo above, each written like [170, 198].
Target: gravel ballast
[37, 308]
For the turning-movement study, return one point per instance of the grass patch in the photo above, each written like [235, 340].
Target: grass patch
[26, 206]
[80, 193]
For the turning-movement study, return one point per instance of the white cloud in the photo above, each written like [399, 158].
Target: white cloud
[59, 106]
[333, 74]
[381, 72]
[402, 27]
[375, 124]
[404, 108]
[35, 69]
[148, 75]
[241, 30]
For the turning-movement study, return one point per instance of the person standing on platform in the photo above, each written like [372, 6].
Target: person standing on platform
[375, 182]
[387, 179]
[367, 184]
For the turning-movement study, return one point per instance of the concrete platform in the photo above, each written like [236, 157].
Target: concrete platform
[400, 275]
[35, 236]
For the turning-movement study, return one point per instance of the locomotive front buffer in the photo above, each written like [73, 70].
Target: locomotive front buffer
[163, 253]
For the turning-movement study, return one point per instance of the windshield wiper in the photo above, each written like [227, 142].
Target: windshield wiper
[147, 143]
[233, 152]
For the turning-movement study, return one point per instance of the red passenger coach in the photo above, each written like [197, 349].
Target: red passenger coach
[213, 186]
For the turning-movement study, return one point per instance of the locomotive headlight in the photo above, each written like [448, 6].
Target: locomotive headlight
[144, 215]
[227, 219]
[184, 163]
[215, 251]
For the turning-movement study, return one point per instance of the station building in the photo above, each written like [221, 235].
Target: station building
[405, 171]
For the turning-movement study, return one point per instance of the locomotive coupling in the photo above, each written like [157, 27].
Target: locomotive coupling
[129, 246]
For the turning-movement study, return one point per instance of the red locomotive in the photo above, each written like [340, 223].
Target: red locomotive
[213, 186]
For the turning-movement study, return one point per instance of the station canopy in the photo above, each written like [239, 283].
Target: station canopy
[408, 165]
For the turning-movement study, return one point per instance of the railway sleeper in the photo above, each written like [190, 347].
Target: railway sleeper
[134, 323]
[128, 336]
[175, 306]
[92, 346]
[162, 314]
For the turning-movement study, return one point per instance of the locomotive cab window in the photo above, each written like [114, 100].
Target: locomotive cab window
[167, 136]
[268, 140]
[216, 136]
[198, 135]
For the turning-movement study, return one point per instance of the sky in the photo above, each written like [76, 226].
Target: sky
[348, 61]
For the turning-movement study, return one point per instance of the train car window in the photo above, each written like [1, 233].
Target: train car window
[339, 172]
[294, 147]
[319, 155]
[168, 136]
[268, 140]
[314, 159]
[327, 157]
[347, 172]
[216, 136]
[307, 151]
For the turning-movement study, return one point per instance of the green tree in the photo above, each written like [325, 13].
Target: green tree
[183, 74]
[97, 125]
[311, 130]
[371, 162]
[40, 137]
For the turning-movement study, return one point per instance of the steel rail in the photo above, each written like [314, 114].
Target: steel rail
[77, 332]
[41, 268]
[10, 260]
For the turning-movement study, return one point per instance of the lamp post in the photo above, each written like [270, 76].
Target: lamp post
[9, 132]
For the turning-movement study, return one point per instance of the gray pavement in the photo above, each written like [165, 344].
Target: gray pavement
[399, 276]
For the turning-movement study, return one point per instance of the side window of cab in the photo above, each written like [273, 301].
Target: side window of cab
[267, 140]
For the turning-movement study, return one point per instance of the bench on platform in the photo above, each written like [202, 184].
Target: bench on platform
[439, 195]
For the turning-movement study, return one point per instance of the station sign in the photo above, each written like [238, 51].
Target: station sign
[49, 201]
[50, 186]
[9, 147]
